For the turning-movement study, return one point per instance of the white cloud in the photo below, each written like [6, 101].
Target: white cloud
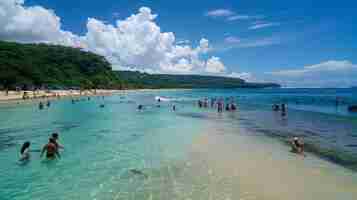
[136, 42]
[232, 39]
[31, 24]
[219, 13]
[333, 73]
[233, 42]
[243, 75]
[243, 17]
[214, 65]
[263, 25]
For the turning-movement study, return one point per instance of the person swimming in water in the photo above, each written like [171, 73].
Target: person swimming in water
[40, 105]
[297, 146]
[25, 151]
[51, 150]
[48, 104]
[55, 137]
[228, 107]
[140, 107]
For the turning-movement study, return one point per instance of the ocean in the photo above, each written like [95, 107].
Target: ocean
[118, 152]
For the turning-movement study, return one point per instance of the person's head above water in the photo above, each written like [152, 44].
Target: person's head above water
[55, 136]
[25, 146]
[51, 140]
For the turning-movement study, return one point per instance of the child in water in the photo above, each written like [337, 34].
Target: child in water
[25, 152]
[51, 150]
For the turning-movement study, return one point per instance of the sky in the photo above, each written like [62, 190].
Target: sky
[295, 43]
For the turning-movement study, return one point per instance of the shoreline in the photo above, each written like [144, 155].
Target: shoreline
[18, 96]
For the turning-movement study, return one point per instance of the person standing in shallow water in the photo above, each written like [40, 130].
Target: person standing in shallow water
[51, 150]
[55, 136]
[283, 110]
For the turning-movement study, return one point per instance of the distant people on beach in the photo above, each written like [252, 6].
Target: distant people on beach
[51, 149]
[25, 152]
[297, 146]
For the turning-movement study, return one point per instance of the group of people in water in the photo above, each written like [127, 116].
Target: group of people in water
[51, 149]
[218, 103]
[41, 105]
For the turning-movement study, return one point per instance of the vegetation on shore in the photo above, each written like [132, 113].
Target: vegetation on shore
[57, 67]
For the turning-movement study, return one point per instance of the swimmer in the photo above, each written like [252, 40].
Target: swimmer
[174, 107]
[227, 107]
[283, 110]
[51, 150]
[25, 152]
[140, 107]
[199, 103]
[233, 107]
[54, 136]
[275, 107]
[48, 104]
[40, 105]
[101, 106]
[297, 146]
[220, 106]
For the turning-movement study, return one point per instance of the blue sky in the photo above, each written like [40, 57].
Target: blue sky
[291, 42]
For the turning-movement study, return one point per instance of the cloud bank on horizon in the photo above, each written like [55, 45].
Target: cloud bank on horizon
[138, 43]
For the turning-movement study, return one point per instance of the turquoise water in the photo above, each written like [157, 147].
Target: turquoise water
[188, 154]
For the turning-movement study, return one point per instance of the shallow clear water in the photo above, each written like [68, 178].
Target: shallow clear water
[188, 154]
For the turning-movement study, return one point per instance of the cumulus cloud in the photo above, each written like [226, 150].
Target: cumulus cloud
[136, 42]
[214, 65]
[340, 73]
[31, 24]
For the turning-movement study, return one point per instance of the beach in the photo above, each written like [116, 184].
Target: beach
[118, 152]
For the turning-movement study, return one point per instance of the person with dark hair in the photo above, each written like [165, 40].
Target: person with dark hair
[40, 105]
[297, 146]
[220, 106]
[25, 151]
[51, 150]
[54, 136]
[228, 107]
